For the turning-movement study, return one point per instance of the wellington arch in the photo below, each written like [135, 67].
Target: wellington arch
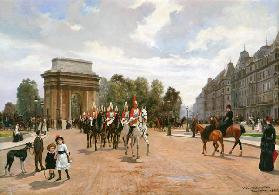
[70, 88]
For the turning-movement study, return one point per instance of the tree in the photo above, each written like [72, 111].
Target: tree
[26, 94]
[141, 91]
[9, 109]
[154, 101]
[103, 92]
[172, 102]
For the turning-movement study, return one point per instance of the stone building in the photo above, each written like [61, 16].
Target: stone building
[70, 88]
[251, 87]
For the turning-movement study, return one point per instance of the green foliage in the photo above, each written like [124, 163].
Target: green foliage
[119, 89]
[26, 94]
[9, 109]
[104, 89]
[172, 102]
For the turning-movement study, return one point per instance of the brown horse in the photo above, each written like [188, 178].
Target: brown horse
[235, 130]
[215, 136]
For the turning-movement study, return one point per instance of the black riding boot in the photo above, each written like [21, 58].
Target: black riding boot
[59, 177]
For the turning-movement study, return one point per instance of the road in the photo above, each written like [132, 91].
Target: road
[175, 166]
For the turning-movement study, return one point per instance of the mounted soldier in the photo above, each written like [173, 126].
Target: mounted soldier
[134, 116]
[110, 114]
[125, 114]
[94, 111]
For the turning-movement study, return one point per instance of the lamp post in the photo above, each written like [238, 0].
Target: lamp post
[187, 119]
[36, 101]
[169, 126]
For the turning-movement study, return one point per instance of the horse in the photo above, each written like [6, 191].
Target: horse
[138, 132]
[110, 130]
[102, 128]
[116, 131]
[92, 133]
[215, 136]
[182, 122]
[235, 131]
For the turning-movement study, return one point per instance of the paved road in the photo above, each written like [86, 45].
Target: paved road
[175, 166]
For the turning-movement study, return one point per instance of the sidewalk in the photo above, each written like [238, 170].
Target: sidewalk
[248, 140]
[9, 145]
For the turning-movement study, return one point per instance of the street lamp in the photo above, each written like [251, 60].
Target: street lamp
[169, 126]
[187, 112]
[36, 101]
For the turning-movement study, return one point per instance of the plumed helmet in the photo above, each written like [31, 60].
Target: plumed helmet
[135, 101]
[111, 105]
[116, 109]
[94, 106]
[126, 106]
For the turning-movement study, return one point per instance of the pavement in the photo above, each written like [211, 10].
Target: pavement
[248, 140]
[174, 166]
[10, 144]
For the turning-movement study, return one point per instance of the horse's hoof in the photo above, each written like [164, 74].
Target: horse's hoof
[126, 153]
[230, 152]
[138, 157]
[240, 154]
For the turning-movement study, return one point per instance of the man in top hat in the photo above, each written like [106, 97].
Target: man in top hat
[228, 119]
[134, 116]
[110, 114]
[125, 114]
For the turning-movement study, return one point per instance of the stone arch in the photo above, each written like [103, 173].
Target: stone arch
[66, 78]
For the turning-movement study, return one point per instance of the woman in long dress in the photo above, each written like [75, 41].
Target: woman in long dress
[62, 160]
[267, 147]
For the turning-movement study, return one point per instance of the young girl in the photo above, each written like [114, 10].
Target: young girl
[50, 160]
[62, 162]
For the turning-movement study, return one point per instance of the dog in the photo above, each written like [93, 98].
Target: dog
[21, 154]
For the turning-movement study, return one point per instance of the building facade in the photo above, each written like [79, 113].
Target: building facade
[70, 88]
[251, 87]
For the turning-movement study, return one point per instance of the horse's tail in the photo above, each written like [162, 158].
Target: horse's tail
[242, 129]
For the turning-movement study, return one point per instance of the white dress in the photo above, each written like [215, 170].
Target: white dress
[62, 160]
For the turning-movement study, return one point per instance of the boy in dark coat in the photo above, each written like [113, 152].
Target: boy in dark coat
[38, 151]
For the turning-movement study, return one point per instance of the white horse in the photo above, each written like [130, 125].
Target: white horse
[139, 131]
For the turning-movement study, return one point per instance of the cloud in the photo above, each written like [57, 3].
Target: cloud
[179, 42]
[147, 30]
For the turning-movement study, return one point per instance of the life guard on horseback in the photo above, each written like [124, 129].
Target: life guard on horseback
[110, 114]
[125, 114]
[134, 116]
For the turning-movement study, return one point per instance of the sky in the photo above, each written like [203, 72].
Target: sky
[180, 42]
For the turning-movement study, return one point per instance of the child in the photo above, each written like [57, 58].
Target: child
[62, 162]
[50, 160]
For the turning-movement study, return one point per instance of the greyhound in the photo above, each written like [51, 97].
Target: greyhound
[21, 154]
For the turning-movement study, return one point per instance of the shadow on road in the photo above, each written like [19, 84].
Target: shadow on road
[129, 159]
[86, 151]
[21, 176]
[251, 157]
[275, 172]
[6, 176]
[220, 157]
[37, 185]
